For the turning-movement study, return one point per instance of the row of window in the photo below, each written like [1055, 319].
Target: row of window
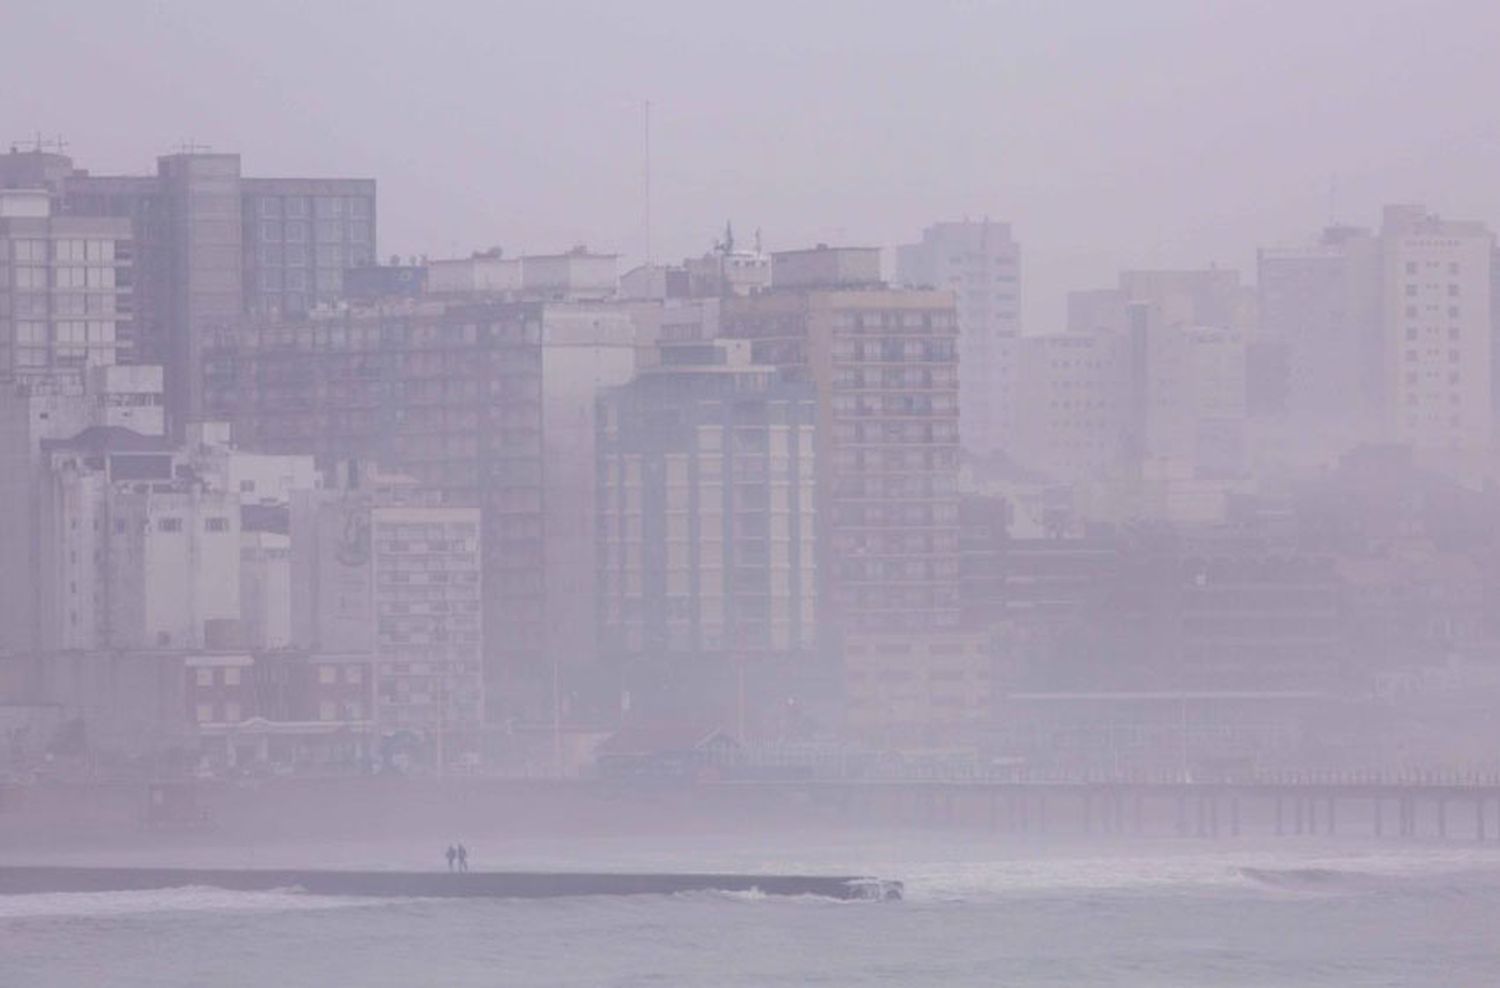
[324, 232]
[325, 207]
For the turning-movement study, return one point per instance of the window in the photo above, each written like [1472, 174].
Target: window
[205, 677]
[328, 675]
[204, 713]
[169, 525]
[232, 712]
[232, 676]
[328, 710]
[353, 674]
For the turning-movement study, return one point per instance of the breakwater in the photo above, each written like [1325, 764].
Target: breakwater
[400, 884]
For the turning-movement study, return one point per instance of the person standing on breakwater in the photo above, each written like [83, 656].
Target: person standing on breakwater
[452, 854]
[463, 858]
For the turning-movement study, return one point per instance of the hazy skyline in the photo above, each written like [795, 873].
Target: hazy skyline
[520, 124]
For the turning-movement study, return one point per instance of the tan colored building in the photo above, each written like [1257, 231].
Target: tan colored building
[885, 366]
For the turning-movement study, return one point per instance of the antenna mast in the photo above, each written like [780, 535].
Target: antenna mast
[646, 121]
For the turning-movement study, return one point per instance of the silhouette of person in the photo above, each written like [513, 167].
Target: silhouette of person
[463, 858]
[452, 854]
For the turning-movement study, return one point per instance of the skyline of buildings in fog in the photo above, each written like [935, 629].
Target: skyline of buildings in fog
[804, 492]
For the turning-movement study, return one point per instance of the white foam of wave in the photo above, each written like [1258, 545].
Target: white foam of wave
[191, 899]
[1204, 871]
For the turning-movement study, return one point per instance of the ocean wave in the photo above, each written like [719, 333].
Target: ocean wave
[186, 899]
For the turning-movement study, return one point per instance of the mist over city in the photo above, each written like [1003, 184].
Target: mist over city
[591, 493]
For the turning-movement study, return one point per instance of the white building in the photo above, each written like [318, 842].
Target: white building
[64, 287]
[1071, 401]
[980, 263]
[1435, 300]
[135, 553]
[54, 407]
[142, 544]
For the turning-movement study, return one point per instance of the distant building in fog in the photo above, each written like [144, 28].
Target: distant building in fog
[884, 363]
[885, 366]
[470, 398]
[1435, 297]
[1171, 353]
[450, 395]
[1387, 336]
[65, 287]
[210, 245]
[980, 263]
[1071, 402]
[141, 539]
[381, 567]
[54, 408]
[1320, 329]
[707, 524]
[578, 275]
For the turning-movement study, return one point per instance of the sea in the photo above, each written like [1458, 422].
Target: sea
[977, 911]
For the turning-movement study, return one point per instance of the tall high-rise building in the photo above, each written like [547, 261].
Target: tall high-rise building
[1071, 398]
[1388, 336]
[450, 395]
[489, 402]
[65, 287]
[1320, 328]
[885, 366]
[708, 527]
[1435, 300]
[1176, 343]
[980, 263]
[209, 246]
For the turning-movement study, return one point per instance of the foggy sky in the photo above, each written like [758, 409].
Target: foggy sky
[1113, 134]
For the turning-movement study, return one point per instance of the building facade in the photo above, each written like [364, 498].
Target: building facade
[707, 523]
[65, 287]
[980, 263]
[1435, 299]
[53, 408]
[885, 367]
[448, 394]
[210, 245]
[382, 568]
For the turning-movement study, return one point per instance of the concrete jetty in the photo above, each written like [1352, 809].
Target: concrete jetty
[23, 879]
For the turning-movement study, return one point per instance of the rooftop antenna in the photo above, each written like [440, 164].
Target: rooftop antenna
[39, 143]
[646, 123]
